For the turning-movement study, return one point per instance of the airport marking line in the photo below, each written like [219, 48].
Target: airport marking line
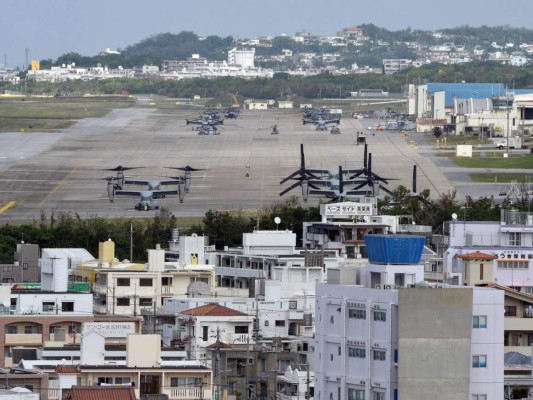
[7, 206]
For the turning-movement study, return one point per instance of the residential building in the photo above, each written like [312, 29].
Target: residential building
[144, 371]
[377, 324]
[244, 58]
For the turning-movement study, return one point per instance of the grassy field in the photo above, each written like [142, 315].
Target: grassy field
[52, 114]
[514, 161]
[444, 141]
[503, 178]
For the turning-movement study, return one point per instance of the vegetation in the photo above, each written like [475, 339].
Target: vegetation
[52, 114]
[226, 228]
[514, 161]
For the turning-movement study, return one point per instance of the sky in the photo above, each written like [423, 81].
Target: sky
[50, 28]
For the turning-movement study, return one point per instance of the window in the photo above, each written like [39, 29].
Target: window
[266, 322]
[515, 239]
[123, 301]
[378, 396]
[145, 282]
[145, 302]
[510, 311]
[379, 355]
[480, 272]
[122, 380]
[32, 329]
[8, 268]
[205, 330]
[48, 306]
[479, 397]
[356, 352]
[194, 381]
[356, 394]
[123, 281]
[178, 381]
[479, 362]
[166, 281]
[293, 305]
[11, 329]
[480, 321]
[513, 264]
[67, 306]
[241, 329]
[357, 314]
[280, 322]
[380, 316]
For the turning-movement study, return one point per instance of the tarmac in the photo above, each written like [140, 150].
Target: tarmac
[44, 173]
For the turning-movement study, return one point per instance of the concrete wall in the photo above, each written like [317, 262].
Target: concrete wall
[435, 328]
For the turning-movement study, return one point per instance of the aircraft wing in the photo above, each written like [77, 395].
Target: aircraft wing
[129, 192]
[323, 192]
[157, 194]
[137, 181]
[170, 182]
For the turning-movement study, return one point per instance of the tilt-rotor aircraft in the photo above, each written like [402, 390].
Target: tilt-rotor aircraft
[154, 188]
[332, 183]
[321, 123]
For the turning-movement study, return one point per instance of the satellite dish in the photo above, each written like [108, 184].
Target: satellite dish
[454, 216]
[277, 220]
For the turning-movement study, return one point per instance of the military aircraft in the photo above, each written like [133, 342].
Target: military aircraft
[369, 178]
[325, 182]
[147, 197]
[332, 183]
[207, 124]
[119, 178]
[321, 123]
[188, 176]
[232, 113]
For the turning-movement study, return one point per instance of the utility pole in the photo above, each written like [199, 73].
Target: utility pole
[246, 368]
[307, 384]
[113, 299]
[131, 242]
[154, 316]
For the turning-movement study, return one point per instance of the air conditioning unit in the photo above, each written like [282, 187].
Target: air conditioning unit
[362, 383]
[388, 287]
[338, 379]
[377, 287]
[411, 285]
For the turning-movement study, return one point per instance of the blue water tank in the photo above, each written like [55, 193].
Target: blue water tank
[394, 249]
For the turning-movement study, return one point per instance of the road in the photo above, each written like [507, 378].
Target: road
[44, 173]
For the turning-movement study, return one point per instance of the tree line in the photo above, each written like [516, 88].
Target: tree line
[69, 230]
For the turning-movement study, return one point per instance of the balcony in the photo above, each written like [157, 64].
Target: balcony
[294, 396]
[22, 339]
[420, 229]
[187, 393]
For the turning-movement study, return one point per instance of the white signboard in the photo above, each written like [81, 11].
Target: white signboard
[109, 329]
[464, 150]
[350, 209]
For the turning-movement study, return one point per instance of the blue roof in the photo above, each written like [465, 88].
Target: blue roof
[467, 90]
[394, 249]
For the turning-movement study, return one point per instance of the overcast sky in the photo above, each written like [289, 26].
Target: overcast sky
[50, 28]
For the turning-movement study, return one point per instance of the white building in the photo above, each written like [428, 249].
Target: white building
[242, 57]
[412, 341]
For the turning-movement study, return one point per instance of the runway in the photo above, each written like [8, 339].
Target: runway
[64, 172]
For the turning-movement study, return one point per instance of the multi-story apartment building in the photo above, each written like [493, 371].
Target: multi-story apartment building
[145, 370]
[381, 337]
